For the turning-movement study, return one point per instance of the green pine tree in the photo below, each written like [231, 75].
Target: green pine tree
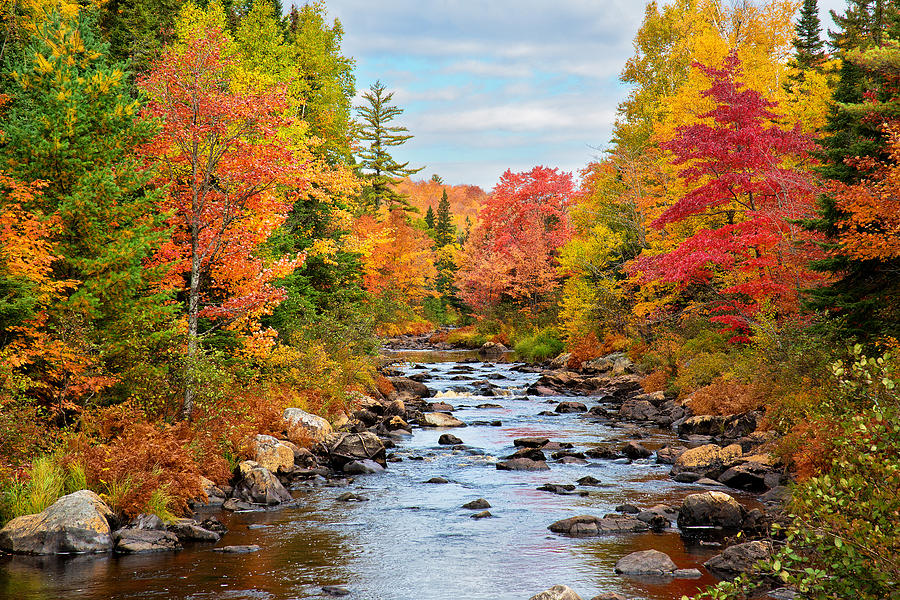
[444, 229]
[380, 168]
[808, 44]
[429, 217]
[72, 123]
[861, 295]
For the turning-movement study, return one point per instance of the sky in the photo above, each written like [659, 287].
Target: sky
[490, 85]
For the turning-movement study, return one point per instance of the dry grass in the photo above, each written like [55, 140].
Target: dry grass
[726, 398]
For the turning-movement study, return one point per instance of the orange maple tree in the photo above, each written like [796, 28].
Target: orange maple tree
[221, 159]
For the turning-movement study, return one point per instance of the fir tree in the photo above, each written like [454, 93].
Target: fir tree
[808, 44]
[429, 217]
[444, 230]
[375, 160]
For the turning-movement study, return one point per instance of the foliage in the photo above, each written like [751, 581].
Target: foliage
[740, 182]
[42, 484]
[513, 252]
[539, 346]
[841, 540]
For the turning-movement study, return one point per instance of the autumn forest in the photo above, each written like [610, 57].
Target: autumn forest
[204, 222]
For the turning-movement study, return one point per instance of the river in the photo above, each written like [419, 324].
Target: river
[413, 540]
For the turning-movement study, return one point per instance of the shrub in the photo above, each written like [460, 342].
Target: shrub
[130, 470]
[34, 489]
[540, 346]
[726, 397]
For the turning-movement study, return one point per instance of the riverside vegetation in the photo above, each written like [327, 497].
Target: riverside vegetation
[197, 238]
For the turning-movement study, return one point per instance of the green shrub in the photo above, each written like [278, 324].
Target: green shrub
[43, 484]
[540, 346]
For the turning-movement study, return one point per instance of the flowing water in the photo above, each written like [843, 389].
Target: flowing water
[412, 540]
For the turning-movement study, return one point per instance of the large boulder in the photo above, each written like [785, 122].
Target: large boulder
[711, 509]
[79, 522]
[271, 454]
[304, 424]
[439, 419]
[189, 530]
[557, 592]
[708, 460]
[214, 494]
[635, 450]
[258, 485]
[728, 426]
[751, 474]
[415, 388]
[646, 562]
[739, 559]
[347, 447]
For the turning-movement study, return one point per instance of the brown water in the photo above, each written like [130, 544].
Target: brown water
[412, 541]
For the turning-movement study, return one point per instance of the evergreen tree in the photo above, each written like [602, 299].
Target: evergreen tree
[138, 29]
[375, 160]
[429, 217]
[72, 123]
[808, 44]
[862, 289]
[444, 230]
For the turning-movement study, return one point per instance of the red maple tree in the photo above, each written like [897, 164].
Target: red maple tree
[523, 223]
[746, 193]
[219, 155]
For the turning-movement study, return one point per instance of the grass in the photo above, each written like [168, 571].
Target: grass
[539, 346]
[45, 482]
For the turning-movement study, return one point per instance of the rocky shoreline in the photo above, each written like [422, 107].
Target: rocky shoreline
[716, 453]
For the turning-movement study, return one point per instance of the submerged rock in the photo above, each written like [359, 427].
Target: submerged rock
[479, 504]
[589, 525]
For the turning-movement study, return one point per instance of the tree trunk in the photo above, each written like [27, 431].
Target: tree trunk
[190, 382]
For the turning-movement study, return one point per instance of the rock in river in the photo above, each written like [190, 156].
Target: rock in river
[710, 509]
[557, 592]
[589, 525]
[646, 562]
[138, 541]
[634, 450]
[258, 485]
[479, 504]
[522, 464]
[439, 419]
[78, 522]
[448, 439]
[739, 559]
[570, 406]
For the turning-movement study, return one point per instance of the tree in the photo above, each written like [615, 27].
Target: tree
[221, 159]
[740, 175]
[523, 224]
[444, 230]
[854, 136]
[808, 45]
[325, 78]
[383, 170]
[429, 217]
[72, 123]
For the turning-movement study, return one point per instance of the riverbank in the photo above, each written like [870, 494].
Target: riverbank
[391, 535]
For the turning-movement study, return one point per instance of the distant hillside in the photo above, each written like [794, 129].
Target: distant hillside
[465, 200]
